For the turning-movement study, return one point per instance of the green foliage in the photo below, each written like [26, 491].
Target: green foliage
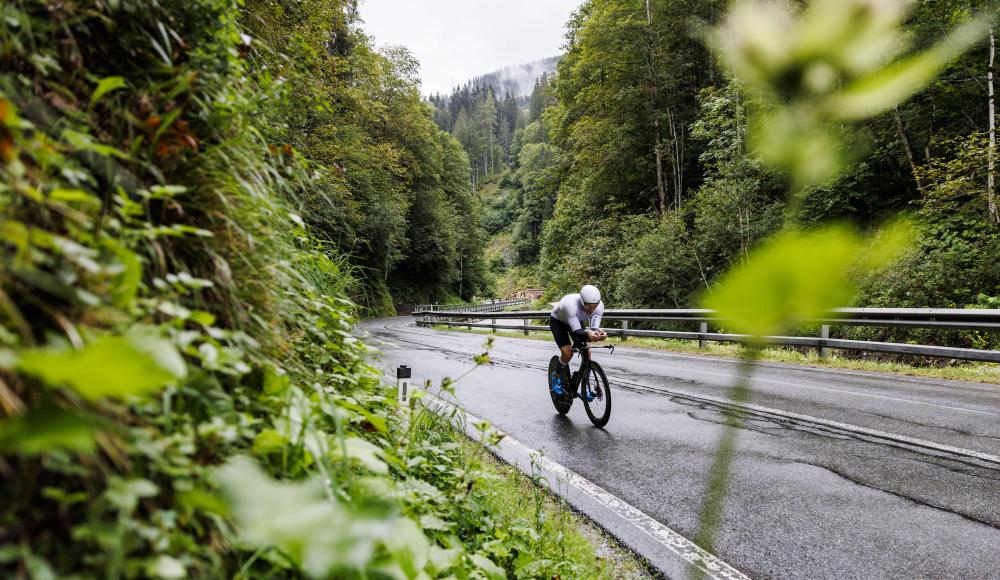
[660, 267]
[112, 366]
[799, 276]
[391, 182]
[835, 61]
[297, 519]
[173, 301]
[503, 208]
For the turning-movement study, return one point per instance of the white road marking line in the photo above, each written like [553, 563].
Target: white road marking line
[680, 547]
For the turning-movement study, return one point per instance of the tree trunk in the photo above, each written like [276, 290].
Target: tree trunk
[679, 149]
[909, 150]
[991, 157]
[658, 144]
[676, 156]
[660, 189]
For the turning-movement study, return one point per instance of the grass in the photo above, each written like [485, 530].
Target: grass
[511, 517]
[965, 371]
[513, 497]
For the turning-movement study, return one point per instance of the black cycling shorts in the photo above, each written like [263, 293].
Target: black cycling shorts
[560, 331]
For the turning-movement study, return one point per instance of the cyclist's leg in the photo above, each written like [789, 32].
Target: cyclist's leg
[561, 334]
[577, 376]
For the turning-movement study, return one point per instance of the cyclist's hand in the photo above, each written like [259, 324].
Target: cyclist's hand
[596, 335]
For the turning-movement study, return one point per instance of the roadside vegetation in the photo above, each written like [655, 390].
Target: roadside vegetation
[186, 212]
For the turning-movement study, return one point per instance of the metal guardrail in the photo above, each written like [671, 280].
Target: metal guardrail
[490, 306]
[931, 318]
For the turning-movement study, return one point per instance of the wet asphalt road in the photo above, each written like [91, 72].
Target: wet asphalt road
[805, 500]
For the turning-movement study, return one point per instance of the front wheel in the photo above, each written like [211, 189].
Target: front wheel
[562, 402]
[596, 395]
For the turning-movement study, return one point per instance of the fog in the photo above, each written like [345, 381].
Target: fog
[457, 40]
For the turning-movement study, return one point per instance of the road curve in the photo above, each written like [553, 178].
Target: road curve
[838, 474]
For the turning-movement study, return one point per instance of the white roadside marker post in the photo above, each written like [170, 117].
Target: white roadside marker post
[403, 385]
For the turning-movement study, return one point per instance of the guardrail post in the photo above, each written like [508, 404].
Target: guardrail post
[526, 321]
[702, 328]
[624, 329]
[493, 325]
[824, 333]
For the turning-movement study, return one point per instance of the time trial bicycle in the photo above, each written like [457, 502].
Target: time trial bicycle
[589, 383]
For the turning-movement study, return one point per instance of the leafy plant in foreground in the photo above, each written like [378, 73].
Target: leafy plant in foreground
[834, 62]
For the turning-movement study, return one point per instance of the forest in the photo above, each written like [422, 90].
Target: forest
[640, 174]
[201, 198]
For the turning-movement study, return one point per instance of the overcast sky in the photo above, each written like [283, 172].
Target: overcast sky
[456, 40]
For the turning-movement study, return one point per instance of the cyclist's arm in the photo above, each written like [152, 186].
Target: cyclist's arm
[577, 331]
[595, 318]
[595, 323]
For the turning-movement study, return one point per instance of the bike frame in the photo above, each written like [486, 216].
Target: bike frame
[584, 349]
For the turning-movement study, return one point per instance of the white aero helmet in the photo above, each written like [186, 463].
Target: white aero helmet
[589, 294]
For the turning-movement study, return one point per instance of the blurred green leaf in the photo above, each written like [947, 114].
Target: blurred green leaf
[408, 546]
[130, 276]
[441, 559]
[125, 494]
[45, 429]
[364, 452]
[893, 84]
[432, 522]
[887, 244]
[375, 421]
[269, 441]
[202, 317]
[321, 535]
[276, 380]
[105, 86]
[74, 195]
[84, 142]
[165, 124]
[491, 570]
[166, 567]
[111, 366]
[796, 141]
[62, 497]
[797, 276]
[199, 500]
[38, 568]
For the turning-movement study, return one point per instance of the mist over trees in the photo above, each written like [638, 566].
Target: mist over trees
[486, 113]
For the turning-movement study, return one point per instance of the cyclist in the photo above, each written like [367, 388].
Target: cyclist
[566, 323]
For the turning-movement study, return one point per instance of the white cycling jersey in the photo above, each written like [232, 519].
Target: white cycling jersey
[570, 311]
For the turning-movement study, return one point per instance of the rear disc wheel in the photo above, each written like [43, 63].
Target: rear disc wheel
[562, 402]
